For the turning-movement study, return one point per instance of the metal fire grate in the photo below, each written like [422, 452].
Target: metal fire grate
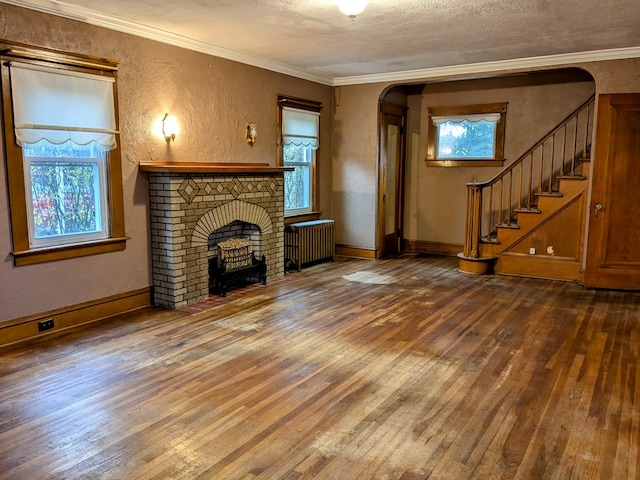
[235, 263]
[234, 253]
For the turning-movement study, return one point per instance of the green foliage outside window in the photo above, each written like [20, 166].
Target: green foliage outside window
[65, 188]
[297, 183]
[63, 197]
[466, 139]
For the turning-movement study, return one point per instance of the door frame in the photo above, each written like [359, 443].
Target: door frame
[387, 108]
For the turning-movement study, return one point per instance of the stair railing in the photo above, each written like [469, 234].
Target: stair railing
[516, 187]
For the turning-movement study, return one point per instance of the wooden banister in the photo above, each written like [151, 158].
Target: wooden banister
[537, 172]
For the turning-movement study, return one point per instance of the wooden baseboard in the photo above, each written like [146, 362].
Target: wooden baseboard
[540, 266]
[63, 318]
[432, 248]
[355, 252]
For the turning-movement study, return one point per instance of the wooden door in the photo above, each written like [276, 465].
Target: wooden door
[390, 176]
[613, 248]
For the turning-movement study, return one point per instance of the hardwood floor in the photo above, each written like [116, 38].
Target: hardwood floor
[429, 373]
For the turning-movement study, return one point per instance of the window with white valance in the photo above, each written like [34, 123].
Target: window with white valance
[466, 135]
[61, 105]
[63, 156]
[300, 128]
[300, 140]
[481, 117]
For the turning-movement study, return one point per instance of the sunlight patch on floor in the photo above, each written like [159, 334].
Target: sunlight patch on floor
[369, 277]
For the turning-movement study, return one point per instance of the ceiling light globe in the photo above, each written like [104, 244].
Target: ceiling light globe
[352, 7]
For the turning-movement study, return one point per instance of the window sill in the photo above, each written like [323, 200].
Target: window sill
[465, 163]
[301, 217]
[61, 252]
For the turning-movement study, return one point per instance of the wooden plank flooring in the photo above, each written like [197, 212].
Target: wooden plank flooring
[428, 373]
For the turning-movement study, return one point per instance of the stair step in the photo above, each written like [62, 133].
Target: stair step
[527, 210]
[513, 226]
[548, 194]
[493, 240]
[572, 177]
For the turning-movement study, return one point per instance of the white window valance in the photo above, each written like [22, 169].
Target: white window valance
[300, 127]
[487, 117]
[60, 105]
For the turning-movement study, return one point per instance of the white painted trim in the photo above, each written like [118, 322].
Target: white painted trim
[56, 7]
[495, 66]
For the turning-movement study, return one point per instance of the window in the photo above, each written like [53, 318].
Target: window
[300, 140]
[63, 157]
[466, 135]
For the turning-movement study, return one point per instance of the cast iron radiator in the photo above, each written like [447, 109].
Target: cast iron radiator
[307, 243]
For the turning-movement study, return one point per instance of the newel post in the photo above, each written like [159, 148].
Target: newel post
[474, 220]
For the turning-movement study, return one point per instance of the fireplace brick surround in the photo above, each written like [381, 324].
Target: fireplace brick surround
[190, 201]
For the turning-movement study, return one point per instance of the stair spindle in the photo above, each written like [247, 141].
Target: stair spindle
[541, 167]
[575, 147]
[510, 196]
[564, 148]
[553, 152]
[520, 188]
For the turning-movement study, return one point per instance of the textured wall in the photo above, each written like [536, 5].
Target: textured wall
[354, 170]
[212, 98]
[355, 145]
[536, 105]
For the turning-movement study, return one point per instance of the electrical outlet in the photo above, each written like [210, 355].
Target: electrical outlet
[45, 325]
[532, 251]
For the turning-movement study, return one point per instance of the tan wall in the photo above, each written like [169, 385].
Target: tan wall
[435, 210]
[358, 111]
[212, 98]
[354, 168]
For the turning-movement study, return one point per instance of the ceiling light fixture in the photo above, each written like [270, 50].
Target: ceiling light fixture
[352, 7]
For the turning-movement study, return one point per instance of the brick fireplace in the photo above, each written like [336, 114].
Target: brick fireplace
[191, 201]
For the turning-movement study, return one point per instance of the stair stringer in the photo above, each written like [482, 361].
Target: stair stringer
[545, 265]
[548, 207]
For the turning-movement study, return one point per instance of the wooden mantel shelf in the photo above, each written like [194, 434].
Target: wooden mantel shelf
[202, 167]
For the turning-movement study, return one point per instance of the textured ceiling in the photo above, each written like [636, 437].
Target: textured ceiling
[312, 36]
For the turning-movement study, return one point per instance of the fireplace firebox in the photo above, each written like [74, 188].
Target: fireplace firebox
[235, 263]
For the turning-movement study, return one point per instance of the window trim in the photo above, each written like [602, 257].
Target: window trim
[23, 253]
[311, 106]
[462, 110]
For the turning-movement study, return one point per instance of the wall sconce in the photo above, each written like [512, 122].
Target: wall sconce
[252, 133]
[169, 127]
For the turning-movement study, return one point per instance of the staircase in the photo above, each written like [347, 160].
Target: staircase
[529, 219]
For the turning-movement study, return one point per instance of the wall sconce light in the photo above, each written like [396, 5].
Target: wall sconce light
[169, 127]
[252, 133]
[351, 8]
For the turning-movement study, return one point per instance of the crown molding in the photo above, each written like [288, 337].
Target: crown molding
[494, 66]
[81, 14]
[85, 15]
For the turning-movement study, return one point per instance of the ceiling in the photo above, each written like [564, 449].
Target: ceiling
[390, 40]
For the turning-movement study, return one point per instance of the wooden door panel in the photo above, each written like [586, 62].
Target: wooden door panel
[613, 256]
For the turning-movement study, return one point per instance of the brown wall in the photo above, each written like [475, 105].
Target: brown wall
[355, 147]
[536, 104]
[212, 98]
